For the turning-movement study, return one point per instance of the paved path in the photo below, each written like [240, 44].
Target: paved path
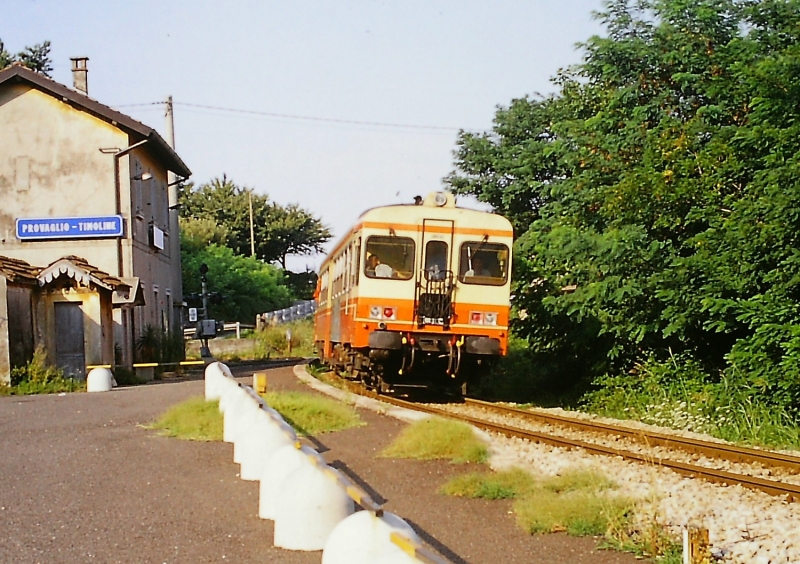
[82, 481]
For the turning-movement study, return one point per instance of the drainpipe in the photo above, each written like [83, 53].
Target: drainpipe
[118, 200]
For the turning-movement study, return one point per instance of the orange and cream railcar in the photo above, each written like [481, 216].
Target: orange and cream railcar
[417, 295]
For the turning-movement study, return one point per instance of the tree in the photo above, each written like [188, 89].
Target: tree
[654, 196]
[36, 58]
[245, 286]
[279, 231]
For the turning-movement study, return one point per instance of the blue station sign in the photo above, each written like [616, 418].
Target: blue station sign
[69, 227]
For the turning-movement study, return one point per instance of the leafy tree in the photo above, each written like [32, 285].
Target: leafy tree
[655, 195]
[247, 286]
[279, 231]
[36, 58]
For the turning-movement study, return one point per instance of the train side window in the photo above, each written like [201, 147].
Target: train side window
[389, 257]
[483, 263]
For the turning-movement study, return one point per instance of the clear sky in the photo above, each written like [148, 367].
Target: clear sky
[444, 65]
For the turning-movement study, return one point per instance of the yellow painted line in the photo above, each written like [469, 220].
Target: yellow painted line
[90, 366]
[146, 365]
[191, 362]
[414, 549]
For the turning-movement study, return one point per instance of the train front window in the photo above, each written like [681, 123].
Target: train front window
[483, 263]
[435, 260]
[389, 257]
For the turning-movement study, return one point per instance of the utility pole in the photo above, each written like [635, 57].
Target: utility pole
[252, 237]
[174, 226]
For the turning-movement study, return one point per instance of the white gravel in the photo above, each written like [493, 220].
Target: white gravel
[745, 527]
[629, 444]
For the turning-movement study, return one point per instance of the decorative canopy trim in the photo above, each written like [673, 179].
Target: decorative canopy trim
[82, 272]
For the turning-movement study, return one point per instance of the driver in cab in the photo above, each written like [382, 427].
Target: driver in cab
[377, 269]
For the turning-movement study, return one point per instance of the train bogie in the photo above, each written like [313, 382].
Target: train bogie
[417, 296]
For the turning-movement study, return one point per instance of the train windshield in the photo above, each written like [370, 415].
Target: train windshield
[483, 263]
[389, 257]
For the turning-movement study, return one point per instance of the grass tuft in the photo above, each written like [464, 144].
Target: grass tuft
[311, 414]
[193, 420]
[578, 512]
[507, 484]
[436, 438]
[577, 502]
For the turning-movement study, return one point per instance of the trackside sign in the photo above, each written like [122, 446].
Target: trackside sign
[69, 227]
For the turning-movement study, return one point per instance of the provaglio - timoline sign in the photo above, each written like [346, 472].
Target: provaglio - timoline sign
[69, 227]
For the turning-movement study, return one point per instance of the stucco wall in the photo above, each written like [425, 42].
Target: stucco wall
[51, 166]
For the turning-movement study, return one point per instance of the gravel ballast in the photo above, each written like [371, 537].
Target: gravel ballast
[745, 526]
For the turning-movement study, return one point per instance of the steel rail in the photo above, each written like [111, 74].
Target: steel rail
[711, 449]
[790, 491]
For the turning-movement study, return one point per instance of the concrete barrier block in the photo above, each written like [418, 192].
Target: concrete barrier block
[99, 380]
[264, 438]
[215, 380]
[233, 404]
[281, 464]
[243, 427]
[365, 538]
[308, 507]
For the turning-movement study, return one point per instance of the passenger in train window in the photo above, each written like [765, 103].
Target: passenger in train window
[372, 262]
[376, 268]
[478, 268]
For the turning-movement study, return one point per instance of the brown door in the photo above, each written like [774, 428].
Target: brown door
[70, 355]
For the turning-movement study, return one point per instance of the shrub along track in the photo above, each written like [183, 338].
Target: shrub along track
[713, 450]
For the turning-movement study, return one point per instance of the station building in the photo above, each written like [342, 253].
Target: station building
[89, 240]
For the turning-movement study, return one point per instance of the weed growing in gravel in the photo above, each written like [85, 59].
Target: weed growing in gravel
[500, 485]
[193, 420]
[579, 502]
[644, 535]
[436, 438]
[311, 414]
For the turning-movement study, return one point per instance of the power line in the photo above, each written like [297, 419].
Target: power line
[298, 117]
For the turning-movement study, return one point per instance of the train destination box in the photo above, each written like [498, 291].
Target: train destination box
[69, 227]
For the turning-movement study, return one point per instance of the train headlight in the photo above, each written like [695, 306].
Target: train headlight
[476, 318]
[440, 199]
[490, 318]
[375, 312]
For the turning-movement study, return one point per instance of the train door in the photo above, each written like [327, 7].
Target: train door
[433, 303]
[437, 244]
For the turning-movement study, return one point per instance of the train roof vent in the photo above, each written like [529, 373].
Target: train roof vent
[440, 200]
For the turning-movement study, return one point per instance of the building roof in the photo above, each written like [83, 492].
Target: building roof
[18, 73]
[80, 270]
[16, 270]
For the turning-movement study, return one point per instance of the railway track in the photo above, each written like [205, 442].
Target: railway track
[719, 451]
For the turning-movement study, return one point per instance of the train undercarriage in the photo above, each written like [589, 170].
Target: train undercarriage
[398, 362]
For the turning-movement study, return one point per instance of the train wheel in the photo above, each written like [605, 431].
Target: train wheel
[384, 386]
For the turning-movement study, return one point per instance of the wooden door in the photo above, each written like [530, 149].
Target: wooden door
[70, 355]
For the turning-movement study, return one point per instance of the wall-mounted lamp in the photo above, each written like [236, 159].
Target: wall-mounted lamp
[143, 176]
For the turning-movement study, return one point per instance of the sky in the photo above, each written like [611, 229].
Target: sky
[337, 106]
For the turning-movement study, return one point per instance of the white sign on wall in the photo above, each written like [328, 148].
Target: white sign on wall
[193, 314]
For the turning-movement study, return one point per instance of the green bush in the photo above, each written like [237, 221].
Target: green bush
[271, 341]
[39, 377]
[677, 393]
